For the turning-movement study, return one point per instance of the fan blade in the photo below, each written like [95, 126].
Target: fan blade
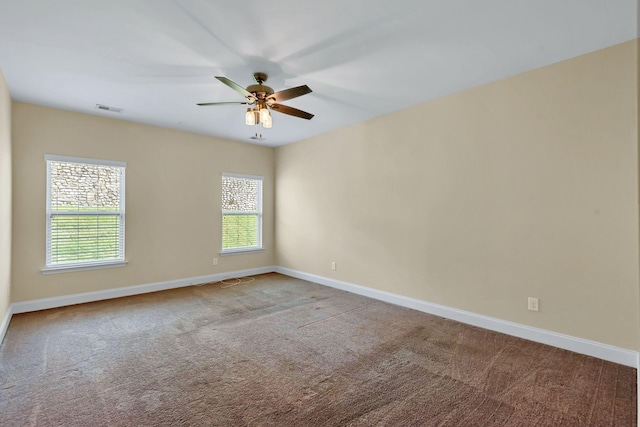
[223, 103]
[291, 111]
[294, 92]
[235, 86]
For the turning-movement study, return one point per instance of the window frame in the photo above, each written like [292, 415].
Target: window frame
[259, 214]
[93, 264]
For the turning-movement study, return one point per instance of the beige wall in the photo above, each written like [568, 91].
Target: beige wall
[173, 220]
[524, 187]
[5, 198]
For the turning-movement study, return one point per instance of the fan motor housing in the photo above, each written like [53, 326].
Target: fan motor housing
[260, 89]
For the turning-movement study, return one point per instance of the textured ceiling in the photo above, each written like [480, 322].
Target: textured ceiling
[157, 58]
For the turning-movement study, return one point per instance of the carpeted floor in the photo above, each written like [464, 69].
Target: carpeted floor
[284, 352]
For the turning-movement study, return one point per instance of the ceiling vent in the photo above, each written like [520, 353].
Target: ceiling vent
[108, 108]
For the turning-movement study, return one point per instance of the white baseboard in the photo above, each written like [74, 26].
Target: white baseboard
[5, 323]
[47, 303]
[567, 342]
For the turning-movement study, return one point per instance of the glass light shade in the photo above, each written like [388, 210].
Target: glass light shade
[268, 123]
[264, 115]
[250, 117]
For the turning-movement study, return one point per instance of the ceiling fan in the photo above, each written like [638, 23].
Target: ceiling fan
[261, 98]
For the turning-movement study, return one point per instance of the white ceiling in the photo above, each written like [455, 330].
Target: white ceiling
[362, 58]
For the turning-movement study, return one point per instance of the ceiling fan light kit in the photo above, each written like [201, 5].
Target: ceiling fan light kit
[262, 99]
[264, 114]
[258, 116]
[250, 117]
[268, 122]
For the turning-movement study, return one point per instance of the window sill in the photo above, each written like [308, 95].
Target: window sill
[240, 251]
[82, 267]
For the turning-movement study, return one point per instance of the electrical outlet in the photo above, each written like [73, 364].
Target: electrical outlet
[333, 265]
[534, 304]
[215, 261]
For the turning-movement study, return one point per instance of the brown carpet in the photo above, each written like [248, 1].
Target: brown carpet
[284, 352]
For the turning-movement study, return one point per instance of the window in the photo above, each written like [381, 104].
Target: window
[85, 213]
[241, 213]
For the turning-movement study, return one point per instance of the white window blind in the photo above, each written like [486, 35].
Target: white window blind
[85, 212]
[241, 212]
